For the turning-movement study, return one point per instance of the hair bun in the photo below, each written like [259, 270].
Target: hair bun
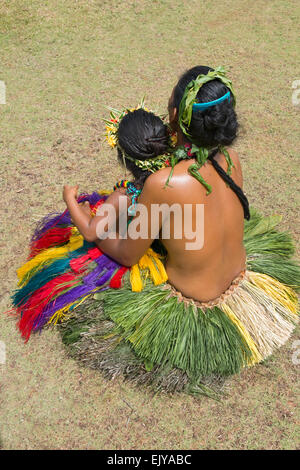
[143, 135]
[216, 125]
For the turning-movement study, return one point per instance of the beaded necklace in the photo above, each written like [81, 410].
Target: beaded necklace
[132, 192]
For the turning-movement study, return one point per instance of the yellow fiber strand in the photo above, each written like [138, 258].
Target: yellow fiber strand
[105, 192]
[268, 322]
[135, 279]
[149, 264]
[161, 269]
[146, 262]
[256, 356]
[143, 261]
[153, 253]
[275, 289]
[84, 298]
[157, 271]
[154, 273]
[159, 265]
[47, 256]
[60, 315]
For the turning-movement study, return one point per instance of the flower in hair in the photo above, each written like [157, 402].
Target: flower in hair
[112, 124]
[111, 135]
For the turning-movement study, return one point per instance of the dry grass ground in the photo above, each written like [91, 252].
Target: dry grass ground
[62, 62]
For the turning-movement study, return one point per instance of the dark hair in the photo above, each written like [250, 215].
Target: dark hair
[213, 126]
[141, 135]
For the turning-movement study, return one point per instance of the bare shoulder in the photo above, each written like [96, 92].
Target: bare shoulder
[115, 196]
[156, 181]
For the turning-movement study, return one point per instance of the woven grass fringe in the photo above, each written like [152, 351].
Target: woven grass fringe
[158, 338]
[253, 320]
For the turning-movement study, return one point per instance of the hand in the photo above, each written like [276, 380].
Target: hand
[70, 192]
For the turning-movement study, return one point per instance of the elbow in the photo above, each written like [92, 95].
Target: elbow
[89, 237]
[115, 250]
[128, 261]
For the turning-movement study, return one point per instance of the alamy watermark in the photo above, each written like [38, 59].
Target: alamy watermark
[185, 221]
[2, 92]
[296, 93]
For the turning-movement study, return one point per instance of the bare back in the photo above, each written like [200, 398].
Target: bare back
[205, 273]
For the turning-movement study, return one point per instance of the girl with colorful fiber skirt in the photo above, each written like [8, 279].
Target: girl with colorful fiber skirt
[158, 309]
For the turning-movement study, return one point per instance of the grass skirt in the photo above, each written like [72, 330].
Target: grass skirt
[157, 336]
[160, 337]
[63, 270]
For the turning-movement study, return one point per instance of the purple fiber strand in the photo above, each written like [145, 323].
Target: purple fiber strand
[62, 218]
[104, 270]
[104, 264]
[69, 297]
[48, 222]
[106, 261]
[60, 302]
[105, 277]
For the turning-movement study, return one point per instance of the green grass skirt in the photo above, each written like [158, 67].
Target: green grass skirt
[159, 338]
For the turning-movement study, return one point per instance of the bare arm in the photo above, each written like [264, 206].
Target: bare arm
[86, 224]
[128, 251]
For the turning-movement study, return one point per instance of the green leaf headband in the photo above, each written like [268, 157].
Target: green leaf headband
[191, 92]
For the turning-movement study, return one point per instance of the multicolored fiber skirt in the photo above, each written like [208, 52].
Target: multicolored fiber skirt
[133, 323]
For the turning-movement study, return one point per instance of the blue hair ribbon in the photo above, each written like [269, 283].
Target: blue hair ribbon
[201, 106]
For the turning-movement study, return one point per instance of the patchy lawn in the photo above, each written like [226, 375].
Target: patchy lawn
[62, 62]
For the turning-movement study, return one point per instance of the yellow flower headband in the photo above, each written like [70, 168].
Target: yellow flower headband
[111, 135]
[112, 124]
